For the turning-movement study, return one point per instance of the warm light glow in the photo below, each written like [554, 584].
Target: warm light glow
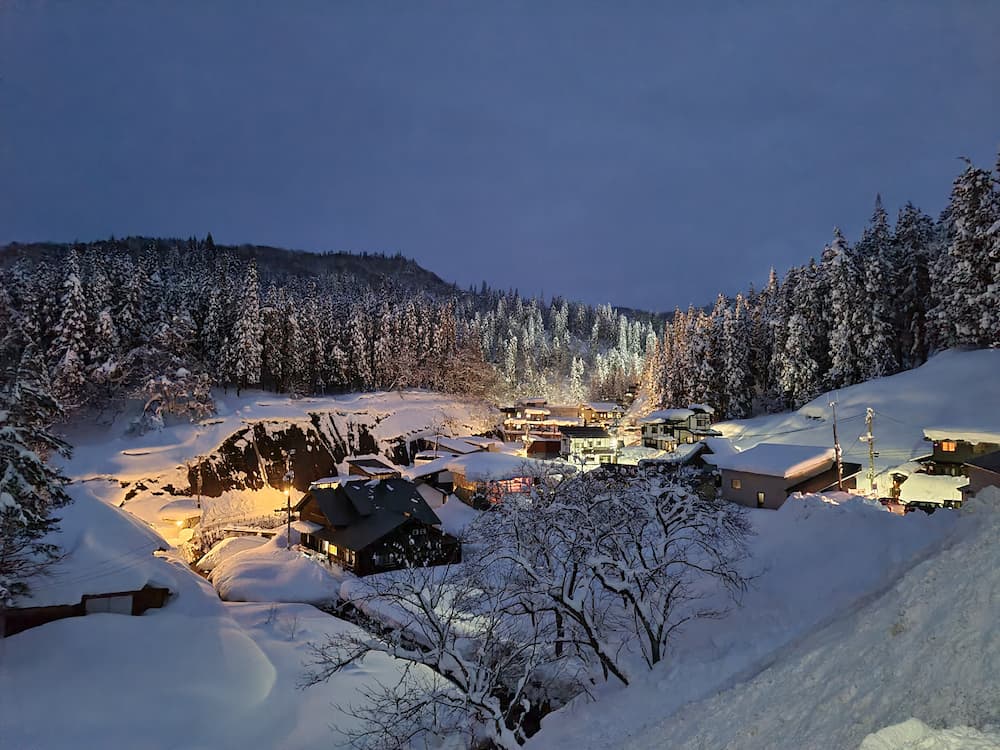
[179, 523]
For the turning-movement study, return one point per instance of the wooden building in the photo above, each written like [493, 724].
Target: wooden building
[665, 429]
[374, 526]
[983, 472]
[764, 476]
[955, 447]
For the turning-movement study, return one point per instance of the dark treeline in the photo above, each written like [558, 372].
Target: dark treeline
[874, 308]
[175, 317]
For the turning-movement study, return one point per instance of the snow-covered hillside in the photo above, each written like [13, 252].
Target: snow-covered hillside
[924, 646]
[115, 463]
[959, 389]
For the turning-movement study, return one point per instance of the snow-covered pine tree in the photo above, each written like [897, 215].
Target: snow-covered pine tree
[842, 281]
[69, 352]
[962, 280]
[30, 488]
[246, 346]
[737, 378]
[878, 346]
[913, 242]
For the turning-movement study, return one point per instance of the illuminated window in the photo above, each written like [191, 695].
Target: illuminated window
[949, 446]
[736, 484]
[760, 499]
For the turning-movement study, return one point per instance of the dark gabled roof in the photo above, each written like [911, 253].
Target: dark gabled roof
[370, 464]
[584, 432]
[989, 462]
[392, 495]
[345, 504]
[366, 531]
[331, 503]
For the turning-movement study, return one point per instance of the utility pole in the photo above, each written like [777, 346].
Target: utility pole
[289, 478]
[198, 479]
[870, 439]
[836, 449]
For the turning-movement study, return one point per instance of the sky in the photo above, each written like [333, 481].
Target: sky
[647, 154]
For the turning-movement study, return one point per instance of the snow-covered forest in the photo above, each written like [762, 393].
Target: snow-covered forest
[173, 318]
[121, 316]
[864, 310]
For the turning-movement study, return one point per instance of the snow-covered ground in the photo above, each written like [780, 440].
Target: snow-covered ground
[922, 644]
[272, 573]
[198, 673]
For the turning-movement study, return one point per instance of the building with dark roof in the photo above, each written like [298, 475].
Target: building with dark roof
[371, 467]
[370, 527]
[983, 472]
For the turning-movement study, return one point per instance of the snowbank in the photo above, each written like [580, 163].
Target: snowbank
[271, 573]
[913, 734]
[225, 677]
[226, 549]
[105, 550]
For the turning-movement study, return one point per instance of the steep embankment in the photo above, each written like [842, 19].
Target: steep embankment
[242, 450]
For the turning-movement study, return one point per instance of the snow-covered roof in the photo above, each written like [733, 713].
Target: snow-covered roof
[603, 406]
[105, 550]
[486, 467]
[720, 447]
[969, 435]
[778, 460]
[666, 415]
[453, 444]
[702, 407]
[339, 479]
[537, 410]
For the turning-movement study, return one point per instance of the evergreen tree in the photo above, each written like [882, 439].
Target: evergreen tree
[30, 488]
[69, 352]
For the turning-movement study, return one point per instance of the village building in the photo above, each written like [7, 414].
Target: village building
[953, 447]
[764, 476]
[603, 413]
[373, 526]
[90, 577]
[536, 417]
[482, 479]
[371, 467]
[983, 472]
[665, 429]
[588, 445]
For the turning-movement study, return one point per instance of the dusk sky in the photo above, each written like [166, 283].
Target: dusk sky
[644, 154]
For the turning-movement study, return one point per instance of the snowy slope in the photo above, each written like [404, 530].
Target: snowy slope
[114, 460]
[955, 388]
[928, 647]
[812, 559]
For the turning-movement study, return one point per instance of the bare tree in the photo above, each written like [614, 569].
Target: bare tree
[491, 656]
[615, 561]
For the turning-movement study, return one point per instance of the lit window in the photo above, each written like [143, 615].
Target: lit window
[949, 446]
[760, 499]
[736, 484]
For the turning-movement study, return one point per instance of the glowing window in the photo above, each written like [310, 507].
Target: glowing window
[736, 484]
[949, 446]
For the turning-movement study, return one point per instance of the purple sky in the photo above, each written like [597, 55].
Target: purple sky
[644, 154]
